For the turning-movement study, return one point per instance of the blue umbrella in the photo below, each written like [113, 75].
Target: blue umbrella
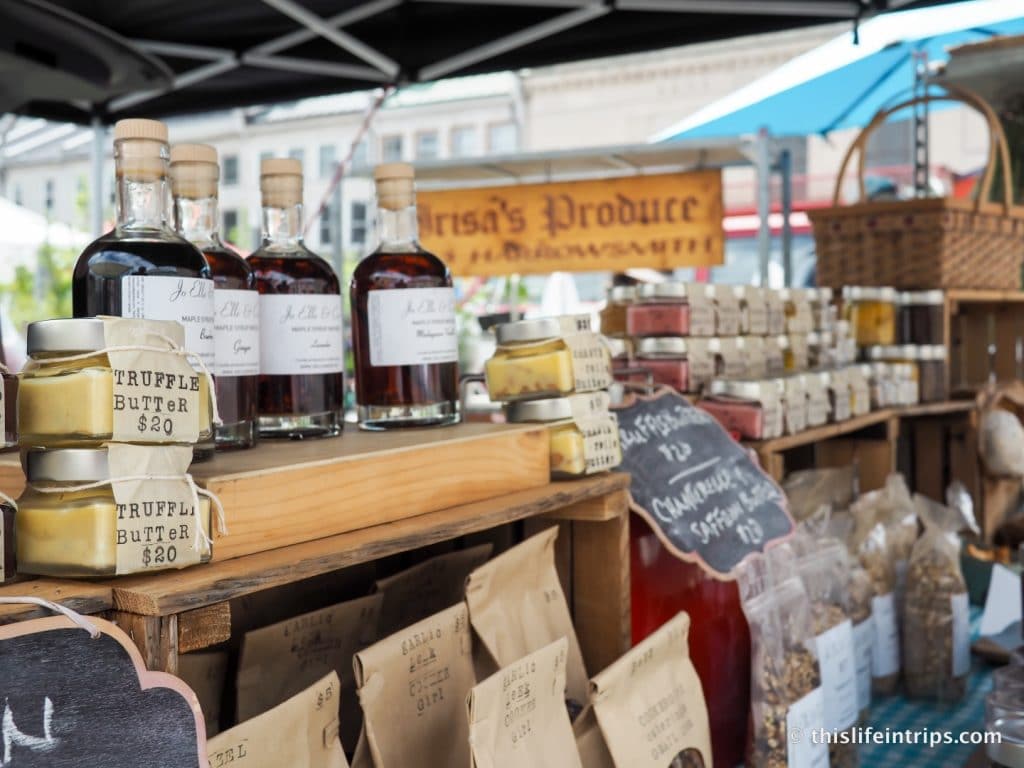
[843, 83]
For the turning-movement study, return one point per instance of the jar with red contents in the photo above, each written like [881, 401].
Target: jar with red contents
[663, 585]
[667, 359]
[668, 309]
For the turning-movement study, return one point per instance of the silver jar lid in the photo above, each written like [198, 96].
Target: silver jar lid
[743, 389]
[66, 465]
[661, 346]
[527, 331]
[622, 294]
[870, 293]
[66, 336]
[823, 295]
[932, 352]
[550, 409]
[675, 291]
[923, 298]
[892, 352]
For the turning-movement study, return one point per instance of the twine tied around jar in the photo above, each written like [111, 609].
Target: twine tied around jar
[202, 537]
[172, 348]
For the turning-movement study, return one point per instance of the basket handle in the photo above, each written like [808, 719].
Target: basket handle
[997, 143]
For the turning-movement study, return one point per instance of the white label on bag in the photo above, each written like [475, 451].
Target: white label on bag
[863, 640]
[237, 331]
[885, 656]
[188, 300]
[837, 659]
[412, 326]
[961, 634]
[301, 334]
[804, 719]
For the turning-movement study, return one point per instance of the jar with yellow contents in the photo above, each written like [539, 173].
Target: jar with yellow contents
[872, 313]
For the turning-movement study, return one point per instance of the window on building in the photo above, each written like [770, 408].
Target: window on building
[296, 153]
[229, 228]
[50, 199]
[426, 145]
[361, 156]
[230, 170]
[502, 138]
[326, 222]
[328, 160]
[391, 148]
[357, 224]
[464, 141]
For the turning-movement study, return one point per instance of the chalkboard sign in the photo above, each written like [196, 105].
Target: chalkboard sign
[71, 701]
[697, 487]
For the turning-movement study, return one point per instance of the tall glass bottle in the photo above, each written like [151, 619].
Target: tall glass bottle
[403, 319]
[194, 177]
[302, 360]
[141, 268]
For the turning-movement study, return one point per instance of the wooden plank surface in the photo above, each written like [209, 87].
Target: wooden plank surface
[173, 592]
[825, 432]
[601, 597]
[80, 596]
[203, 627]
[948, 407]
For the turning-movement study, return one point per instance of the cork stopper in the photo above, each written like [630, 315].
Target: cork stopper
[140, 149]
[194, 170]
[395, 186]
[281, 182]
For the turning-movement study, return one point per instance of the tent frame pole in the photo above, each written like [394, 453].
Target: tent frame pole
[786, 176]
[764, 232]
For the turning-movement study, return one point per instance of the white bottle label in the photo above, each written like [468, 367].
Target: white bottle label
[188, 300]
[412, 326]
[864, 640]
[961, 634]
[301, 334]
[885, 656]
[837, 658]
[237, 331]
[805, 719]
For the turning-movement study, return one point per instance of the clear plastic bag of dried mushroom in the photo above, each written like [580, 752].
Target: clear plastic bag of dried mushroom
[900, 519]
[936, 632]
[807, 490]
[786, 703]
[868, 542]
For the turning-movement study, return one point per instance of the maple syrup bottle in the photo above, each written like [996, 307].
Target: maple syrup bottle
[194, 177]
[142, 268]
[301, 391]
[403, 319]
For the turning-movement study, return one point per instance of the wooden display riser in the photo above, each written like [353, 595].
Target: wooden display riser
[983, 330]
[869, 441]
[176, 612]
[285, 492]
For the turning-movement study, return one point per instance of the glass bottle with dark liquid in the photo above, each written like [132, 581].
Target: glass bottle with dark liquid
[301, 392]
[141, 268]
[194, 177]
[403, 319]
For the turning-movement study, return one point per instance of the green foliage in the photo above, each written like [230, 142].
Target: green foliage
[44, 293]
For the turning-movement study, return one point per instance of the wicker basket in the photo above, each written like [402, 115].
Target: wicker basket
[926, 243]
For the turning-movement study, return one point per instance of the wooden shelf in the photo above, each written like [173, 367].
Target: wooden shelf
[983, 296]
[80, 596]
[824, 432]
[938, 409]
[173, 592]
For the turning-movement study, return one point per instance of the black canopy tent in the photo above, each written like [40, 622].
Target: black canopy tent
[232, 53]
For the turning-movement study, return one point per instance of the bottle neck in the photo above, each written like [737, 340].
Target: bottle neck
[282, 226]
[142, 203]
[397, 230]
[195, 219]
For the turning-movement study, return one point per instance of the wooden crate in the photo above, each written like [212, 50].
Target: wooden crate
[283, 492]
[984, 331]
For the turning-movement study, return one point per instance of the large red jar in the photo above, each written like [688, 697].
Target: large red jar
[663, 585]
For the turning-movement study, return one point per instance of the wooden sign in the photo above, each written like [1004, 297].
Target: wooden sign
[71, 701]
[661, 222]
[697, 487]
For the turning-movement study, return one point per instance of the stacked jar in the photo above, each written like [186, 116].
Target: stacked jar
[557, 371]
[8, 507]
[110, 410]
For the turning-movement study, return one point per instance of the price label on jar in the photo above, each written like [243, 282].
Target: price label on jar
[156, 394]
[156, 515]
[186, 300]
[697, 487]
[412, 326]
[601, 448]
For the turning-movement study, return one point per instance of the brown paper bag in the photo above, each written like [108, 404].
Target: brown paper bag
[427, 588]
[517, 606]
[650, 705]
[280, 660]
[206, 674]
[300, 733]
[517, 717]
[413, 688]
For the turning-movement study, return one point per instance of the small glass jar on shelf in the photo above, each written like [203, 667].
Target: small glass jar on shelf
[872, 313]
[668, 360]
[670, 309]
[613, 315]
[799, 315]
[817, 386]
[750, 409]
[753, 309]
[728, 320]
[794, 403]
[922, 317]
[776, 309]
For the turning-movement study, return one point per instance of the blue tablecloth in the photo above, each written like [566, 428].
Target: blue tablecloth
[900, 714]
